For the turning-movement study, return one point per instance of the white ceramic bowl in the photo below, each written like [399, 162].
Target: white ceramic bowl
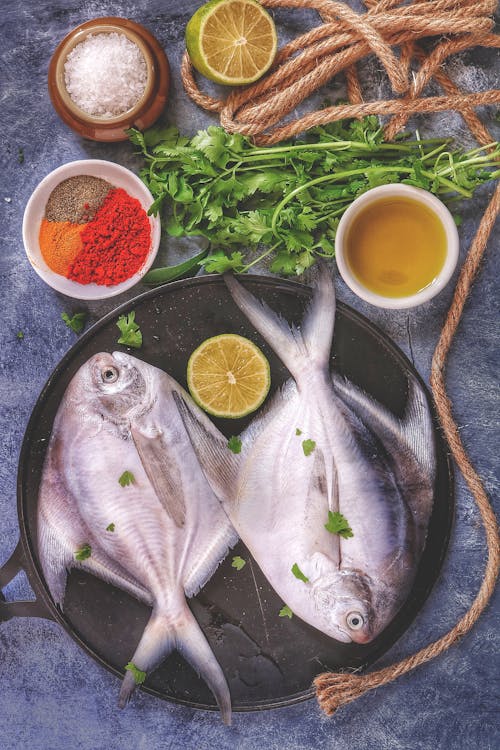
[452, 245]
[33, 214]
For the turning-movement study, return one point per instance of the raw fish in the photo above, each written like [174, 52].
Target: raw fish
[374, 469]
[168, 533]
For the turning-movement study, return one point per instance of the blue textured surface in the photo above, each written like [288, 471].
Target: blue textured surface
[52, 695]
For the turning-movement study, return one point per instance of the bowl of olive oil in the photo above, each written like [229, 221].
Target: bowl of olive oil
[396, 246]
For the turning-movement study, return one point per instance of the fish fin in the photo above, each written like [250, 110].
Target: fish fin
[164, 633]
[218, 463]
[215, 547]
[55, 560]
[319, 320]
[164, 475]
[109, 571]
[312, 341]
[408, 442]
[413, 432]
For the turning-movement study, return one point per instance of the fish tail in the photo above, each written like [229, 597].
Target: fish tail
[314, 339]
[162, 635]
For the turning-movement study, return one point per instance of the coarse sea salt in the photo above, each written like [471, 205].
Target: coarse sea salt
[106, 74]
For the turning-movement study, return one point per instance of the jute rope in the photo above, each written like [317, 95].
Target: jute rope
[301, 67]
[334, 690]
[336, 46]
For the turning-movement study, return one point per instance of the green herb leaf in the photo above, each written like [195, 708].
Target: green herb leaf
[308, 446]
[238, 563]
[338, 524]
[286, 612]
[77, 322]
[219, 262]
[126, 478]
[234, 444]
[83, 553]
[20, 335]
[130, 332]
[20, 155]
[299, 574]
[110, 527]
[139, 676]
[298, 431]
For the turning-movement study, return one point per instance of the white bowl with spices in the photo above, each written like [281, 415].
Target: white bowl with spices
[68, 217]
[396, 246]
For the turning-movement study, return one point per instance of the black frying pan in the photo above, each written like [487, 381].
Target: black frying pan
[269, 661]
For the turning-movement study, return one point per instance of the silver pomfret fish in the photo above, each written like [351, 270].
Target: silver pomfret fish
[362, 462]
[168, 531]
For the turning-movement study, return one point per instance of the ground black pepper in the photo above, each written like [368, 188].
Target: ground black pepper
[77, 199]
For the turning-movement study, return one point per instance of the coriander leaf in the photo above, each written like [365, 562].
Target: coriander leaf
[234, 444]
[284, 263]
[110, 527]
[130, 332]
[298, 431]
[219, 262]
[83, 553]
[20, 335]
[338, 524]
[286, 612]
[308, 446]
[77, 322]
[238, 562]
[458, 220]
[126, 478]
[139, 675]
[299, 574]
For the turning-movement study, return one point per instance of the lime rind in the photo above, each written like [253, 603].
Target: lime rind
[194, 32]
[227, 413]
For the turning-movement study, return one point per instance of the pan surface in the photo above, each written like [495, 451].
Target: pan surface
[268, 661]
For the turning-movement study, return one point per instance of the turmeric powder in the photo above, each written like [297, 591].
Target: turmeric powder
[60, 243]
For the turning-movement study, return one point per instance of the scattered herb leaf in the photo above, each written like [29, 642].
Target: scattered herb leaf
[298, 431]
[77, 322]
[139, 676]
[126, 478]
[286, 612]
[238, 562]
[338, 524]
[20, 155]
[299, 574]
[308, 446]
[458, 220]
[20, 335]
[110, 527]
[234, 444]
[83, 553]
[130, 332]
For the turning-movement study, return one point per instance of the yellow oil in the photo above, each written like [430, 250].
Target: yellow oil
[395, 247]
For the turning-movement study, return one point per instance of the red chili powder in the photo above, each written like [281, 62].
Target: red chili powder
[115, 243]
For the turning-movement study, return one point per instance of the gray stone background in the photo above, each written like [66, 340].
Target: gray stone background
[52, 695]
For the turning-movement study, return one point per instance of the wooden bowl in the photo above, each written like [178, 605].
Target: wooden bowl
[143, 114]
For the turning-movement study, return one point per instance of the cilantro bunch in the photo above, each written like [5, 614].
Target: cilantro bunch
[285, 201]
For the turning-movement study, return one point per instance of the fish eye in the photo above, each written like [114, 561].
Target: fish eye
[355, 620]
[109, 374]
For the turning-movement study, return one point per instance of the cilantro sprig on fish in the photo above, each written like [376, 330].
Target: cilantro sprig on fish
[338, 524]
[83, 553]
[284, 202]
[138, 674]
[126, 479]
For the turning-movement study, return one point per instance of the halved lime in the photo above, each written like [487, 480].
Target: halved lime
[232, 42]
[228, 376]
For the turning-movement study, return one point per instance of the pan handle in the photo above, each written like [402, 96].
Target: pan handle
[8, 610]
